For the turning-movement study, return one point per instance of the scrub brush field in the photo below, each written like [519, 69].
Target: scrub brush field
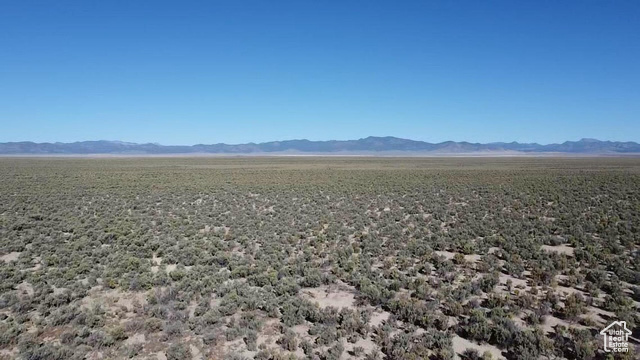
[317, 258]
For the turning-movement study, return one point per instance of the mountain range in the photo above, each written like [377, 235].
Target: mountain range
[370, 145]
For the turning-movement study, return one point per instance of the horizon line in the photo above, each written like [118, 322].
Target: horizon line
[583, 139]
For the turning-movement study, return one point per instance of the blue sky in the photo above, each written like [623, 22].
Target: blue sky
[239, 71]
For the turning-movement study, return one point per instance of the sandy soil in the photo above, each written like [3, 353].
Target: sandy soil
[461, 344]
[337, 295]
[114, 299]
[563, 249]
[551, 321]
[378, 317]
[196, 354]
[12, 256]
[367, 344]
[137, 338]
[25, 288]
[515, 281]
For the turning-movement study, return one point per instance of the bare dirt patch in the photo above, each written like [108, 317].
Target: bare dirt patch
[8, 353]
[269, 332]
[25, 288]
[367, 344]
[447, 254]
[137, 338]
[551, 321]
[378, 317]
[114, 299]
[460, 344]
[338, 295]
[196, 354]
[562, 249]
[12, 256]
[516, 283]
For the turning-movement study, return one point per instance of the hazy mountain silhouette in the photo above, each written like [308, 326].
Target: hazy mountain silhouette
[367, 145]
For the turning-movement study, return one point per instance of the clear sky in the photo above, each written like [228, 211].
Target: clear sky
[238, 71]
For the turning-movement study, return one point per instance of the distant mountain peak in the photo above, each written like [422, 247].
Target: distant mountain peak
[122, 142]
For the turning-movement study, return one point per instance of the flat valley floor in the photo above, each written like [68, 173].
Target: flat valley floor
[318, 258]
